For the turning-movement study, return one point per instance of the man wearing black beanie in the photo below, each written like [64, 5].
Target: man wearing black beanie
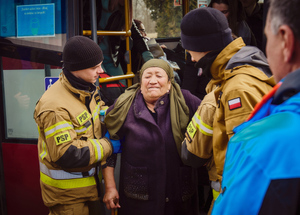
[239, 78]
[71, 145]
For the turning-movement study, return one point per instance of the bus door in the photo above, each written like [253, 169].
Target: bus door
[32, 36]
[91, 16]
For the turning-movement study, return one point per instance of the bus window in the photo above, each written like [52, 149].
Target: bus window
[35, 24]
[161, 18]
[24, 83]
[32, 36]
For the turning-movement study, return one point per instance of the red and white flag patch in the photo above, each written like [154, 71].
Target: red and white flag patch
[234, 103]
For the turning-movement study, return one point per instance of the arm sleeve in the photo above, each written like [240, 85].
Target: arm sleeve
[147, 55]
[238, 104]
[197, 146]
[64, 146]
[111, 161]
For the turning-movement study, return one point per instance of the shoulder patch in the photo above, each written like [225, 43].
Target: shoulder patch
[191, 130]
[83, 117]
[62, 138]
[234, 103]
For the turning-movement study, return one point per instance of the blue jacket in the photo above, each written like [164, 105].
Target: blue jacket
[262, 171]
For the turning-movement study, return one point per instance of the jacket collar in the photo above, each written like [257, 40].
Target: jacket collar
[219, 69]
[82, 95]
[220, 63]
[288, 88]
[140, 107]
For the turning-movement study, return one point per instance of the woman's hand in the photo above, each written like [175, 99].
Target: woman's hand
[111, 198]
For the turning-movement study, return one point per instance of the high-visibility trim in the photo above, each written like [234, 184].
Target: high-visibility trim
[58, 127]
[61, 174]
[83, 129]
[68, 183]
[80, 130]
[215, 194]
[39, 130]
[44, 152]
[204, 128]
[191, 130]
[98, 149]
[96, 112]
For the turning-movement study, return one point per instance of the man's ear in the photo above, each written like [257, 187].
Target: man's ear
[287, 42]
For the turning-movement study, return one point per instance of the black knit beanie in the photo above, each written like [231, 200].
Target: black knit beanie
[80, 52]
[205, 29]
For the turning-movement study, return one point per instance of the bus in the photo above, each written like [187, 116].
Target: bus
[32, 37]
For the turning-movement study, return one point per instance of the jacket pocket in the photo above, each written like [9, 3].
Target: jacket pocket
[136, 182]
[188, 182]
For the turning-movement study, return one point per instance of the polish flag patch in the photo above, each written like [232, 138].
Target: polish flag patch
[234, 103]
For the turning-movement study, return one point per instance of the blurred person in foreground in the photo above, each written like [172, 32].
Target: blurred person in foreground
[150, 118]
[70, 145]
[239, 78]
[262, 171]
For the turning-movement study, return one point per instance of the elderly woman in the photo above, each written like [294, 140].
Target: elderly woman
[150, 118]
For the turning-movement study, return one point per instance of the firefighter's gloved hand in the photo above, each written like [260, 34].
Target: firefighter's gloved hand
[116, 144]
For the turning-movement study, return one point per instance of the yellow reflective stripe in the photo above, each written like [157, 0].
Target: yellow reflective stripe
[68, 183]
[59, 174]
[215, 194]
[204, 128]
[96, 112]
[58, 127]
[39, 130]
[80, 130]
[98, 149]
[104, 108]
[44, 152]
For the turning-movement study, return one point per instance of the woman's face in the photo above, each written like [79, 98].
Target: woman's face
[221, 7]
[154, 84]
